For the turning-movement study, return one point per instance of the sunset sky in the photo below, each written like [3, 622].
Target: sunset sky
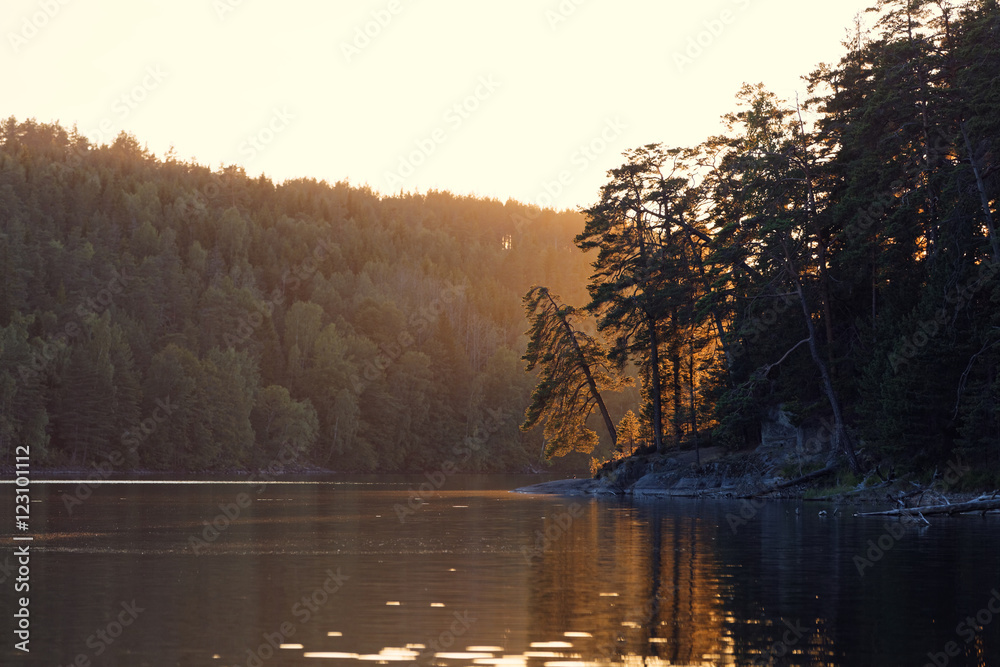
[502, 99]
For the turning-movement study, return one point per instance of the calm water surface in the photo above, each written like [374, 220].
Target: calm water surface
[480, 576]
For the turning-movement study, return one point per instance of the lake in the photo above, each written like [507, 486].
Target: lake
[374, 570]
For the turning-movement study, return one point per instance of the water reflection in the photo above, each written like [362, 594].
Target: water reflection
[673, 583]
[649, 585]
[327, 574]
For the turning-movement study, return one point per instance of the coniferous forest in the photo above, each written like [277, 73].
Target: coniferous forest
[832, 259]
[191, 320]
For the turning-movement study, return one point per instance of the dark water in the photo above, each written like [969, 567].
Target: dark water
[480, 576]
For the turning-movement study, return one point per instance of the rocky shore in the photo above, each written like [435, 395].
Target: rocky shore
[684, 474]
[766, 472]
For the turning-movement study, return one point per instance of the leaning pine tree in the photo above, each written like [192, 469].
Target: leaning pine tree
[573, 372]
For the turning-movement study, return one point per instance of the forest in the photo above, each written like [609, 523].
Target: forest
[831, 259]
[163, 316]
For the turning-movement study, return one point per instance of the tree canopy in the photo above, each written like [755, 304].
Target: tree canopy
[367, 333]
[834, 258]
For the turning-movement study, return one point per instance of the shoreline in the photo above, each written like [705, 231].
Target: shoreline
[595, 488]
[758, 475]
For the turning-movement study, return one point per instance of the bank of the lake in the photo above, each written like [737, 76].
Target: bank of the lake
[762, 473]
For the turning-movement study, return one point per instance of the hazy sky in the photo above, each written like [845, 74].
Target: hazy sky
[500, 99]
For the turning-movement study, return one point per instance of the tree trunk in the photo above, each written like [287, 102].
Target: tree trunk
[654, 384]
[983, 198]
[691, 400]
[675, 368]
[827, 312]
[716, 317]
[839, 436]
[333, 443]
[608, 423]
[678, 420]
[840, 440]
[981, 505]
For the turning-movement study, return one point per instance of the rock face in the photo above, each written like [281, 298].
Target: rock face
[809, 438]
[777, 431]
[732, 477]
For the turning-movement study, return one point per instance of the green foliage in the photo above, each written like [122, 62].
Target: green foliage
[629, 433]
[278, 419]
[649, 276]
[574, 372]
[837, 258]
[198, 320]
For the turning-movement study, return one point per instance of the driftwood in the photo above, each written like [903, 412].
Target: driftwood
[793, 482]
[982, 504]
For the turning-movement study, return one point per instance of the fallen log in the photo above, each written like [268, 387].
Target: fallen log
[979, 505]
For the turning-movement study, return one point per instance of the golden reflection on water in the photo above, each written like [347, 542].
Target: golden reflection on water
[620, 585]
[620, 589]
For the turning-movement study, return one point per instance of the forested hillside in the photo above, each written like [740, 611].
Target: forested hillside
[185, 319]
[830, 262]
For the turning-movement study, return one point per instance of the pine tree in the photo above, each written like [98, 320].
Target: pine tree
[573, 373]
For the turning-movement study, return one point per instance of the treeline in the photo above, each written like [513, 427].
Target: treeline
[167, 317]
[831, 261]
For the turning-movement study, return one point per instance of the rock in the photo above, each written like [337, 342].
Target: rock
[564, 487]
[777, 430]
[655, 483]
